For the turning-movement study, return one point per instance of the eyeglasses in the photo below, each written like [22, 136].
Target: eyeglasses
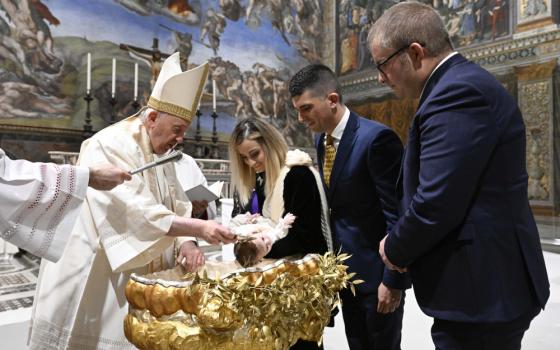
[378, 65]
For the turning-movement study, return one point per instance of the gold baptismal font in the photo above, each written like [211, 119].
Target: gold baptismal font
[269, 306]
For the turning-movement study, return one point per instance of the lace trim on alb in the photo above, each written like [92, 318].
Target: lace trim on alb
[110, 241]
[66, 197]
[48, 336]
[32, 204]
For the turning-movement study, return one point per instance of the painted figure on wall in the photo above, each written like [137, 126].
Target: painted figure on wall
[41, 13]
[232, 9]
[183, 45]
[469, 22]
[534, 8]
[29, 66]
[254, 46]
[213, 28]
[178, 10]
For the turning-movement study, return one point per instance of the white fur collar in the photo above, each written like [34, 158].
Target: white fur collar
[297, 157]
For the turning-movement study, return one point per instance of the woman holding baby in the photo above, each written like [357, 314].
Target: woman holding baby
[272, 181]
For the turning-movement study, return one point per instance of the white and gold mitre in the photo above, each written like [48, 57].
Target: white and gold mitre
[177, 92]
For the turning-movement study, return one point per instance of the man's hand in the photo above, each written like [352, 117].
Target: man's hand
[389, 264]
[388, 299]
[198, 208]
[106, 176]
[214, 233]
[190, 256]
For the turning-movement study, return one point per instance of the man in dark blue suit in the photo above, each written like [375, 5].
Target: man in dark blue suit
[359, 160]
[466, 232]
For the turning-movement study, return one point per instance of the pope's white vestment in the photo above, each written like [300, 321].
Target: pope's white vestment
[80, 301]
[39, 204]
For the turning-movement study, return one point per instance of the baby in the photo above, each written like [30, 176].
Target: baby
[256, 235]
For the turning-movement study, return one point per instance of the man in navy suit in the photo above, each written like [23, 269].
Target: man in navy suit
[466, 232]
[360, 189]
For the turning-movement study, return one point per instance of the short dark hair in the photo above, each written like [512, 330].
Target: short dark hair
[316, 77]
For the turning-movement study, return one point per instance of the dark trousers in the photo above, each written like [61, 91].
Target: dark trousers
[450, 335]
[366, 329]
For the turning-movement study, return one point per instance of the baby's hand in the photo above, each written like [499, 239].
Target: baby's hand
[249, 229]
[246, 218]
[252, 218]
[288, 220]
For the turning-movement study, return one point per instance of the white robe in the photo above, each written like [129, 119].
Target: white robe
[189, 176]
[39, 204]
[80, 302]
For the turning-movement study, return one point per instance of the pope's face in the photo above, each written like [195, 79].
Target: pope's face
[252, 154]
[165, 131]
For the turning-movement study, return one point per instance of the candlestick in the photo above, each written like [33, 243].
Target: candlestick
[88, 80]
[198, 136]
[215, 151]
[135, 81]
[213, 95]
[113, 115]
[88, 128]
[114, 77]
[135, 105]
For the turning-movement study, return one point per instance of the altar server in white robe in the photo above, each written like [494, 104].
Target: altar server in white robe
[40, 202]
[189, 176]
[80, 301]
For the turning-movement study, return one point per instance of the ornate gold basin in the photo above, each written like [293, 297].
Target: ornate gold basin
[270, 306]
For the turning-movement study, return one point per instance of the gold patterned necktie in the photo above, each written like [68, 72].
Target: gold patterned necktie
[330, 153]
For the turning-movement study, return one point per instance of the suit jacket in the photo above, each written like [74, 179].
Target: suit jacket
[362, 198]
[466, 232]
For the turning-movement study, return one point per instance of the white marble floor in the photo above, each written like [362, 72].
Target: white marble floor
[544, 333]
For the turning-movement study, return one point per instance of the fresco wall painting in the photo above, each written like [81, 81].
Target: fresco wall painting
[469, 22]
[253, 47]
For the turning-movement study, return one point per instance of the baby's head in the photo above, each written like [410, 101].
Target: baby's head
[249, 253]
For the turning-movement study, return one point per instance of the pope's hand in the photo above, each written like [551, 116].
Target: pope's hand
[214, 233]
[106, 176]
[190, 256]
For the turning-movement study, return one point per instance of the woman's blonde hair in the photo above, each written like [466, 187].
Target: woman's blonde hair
[274, 147]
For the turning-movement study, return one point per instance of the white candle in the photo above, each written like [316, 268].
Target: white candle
[135, 81]
[114, 77]
[88, 80]
[214, 95]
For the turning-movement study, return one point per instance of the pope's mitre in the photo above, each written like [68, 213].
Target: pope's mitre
[176, 92]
